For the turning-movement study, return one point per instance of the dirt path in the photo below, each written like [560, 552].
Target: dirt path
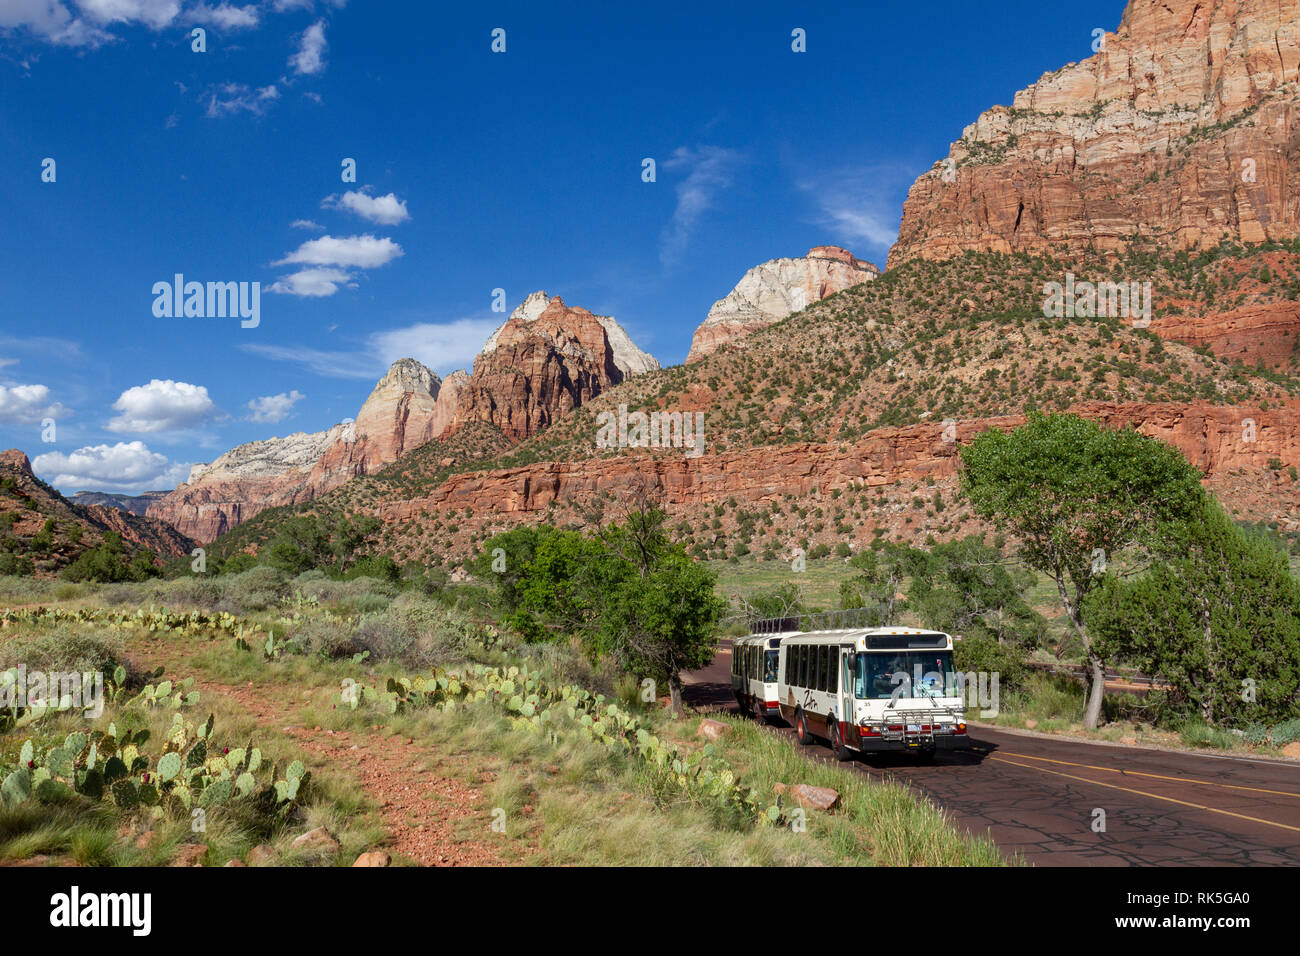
[424, 812]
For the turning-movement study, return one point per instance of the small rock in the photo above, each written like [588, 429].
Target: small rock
[1291, 750]
[235, 863]
[263, 855]
[144, 839]
[373, 858]
[189, 854]
[1030, 724]
[712, 729]
[1128, 740]
[318, 839]
[814, 798]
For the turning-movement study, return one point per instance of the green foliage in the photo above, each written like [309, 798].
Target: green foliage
[628, 592]
[966, 587]
[186, 771]
[1076, 494]
[109, 562]
[1216, 617]
[882, 570]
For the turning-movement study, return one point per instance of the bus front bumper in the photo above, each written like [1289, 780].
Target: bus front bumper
[916, 742]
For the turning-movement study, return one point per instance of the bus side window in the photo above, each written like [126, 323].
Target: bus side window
[802, 674]
[822, 655]
[833, 671]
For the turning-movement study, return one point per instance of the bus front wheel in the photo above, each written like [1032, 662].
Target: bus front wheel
[840, 751]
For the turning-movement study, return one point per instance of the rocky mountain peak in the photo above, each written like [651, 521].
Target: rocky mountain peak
[628, 357]
[776, 289]
[408, 375]
[16, 459]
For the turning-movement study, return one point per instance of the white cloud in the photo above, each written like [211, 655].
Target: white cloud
[443, 346]
[126, 467]
[270, 409]
[384, 210]
[225, 15]
[227, 98]
[359, 252]
[306, 224]
[353, 364]
[152, 13]
[162, 406]
[312, 283]
[310, 58]
[709, 170]
[861, 207]
[27, 404]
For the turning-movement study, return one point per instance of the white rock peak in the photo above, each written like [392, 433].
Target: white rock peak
[780, 287]
[628, 357]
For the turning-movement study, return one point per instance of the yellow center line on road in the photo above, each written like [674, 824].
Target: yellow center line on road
[1153, 796]
[1154, 776]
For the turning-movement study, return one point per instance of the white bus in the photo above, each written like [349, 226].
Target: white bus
[754, 662]
[872, 689]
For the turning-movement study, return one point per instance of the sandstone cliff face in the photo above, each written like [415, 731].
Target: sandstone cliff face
[538, 369]
[399, 415]
[776, 289]
[1181, 129]
[1221, 441]
[244, 481]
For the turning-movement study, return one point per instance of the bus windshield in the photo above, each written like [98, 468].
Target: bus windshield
[904, 674]
[769, 666]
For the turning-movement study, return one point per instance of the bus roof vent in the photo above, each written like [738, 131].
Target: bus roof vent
[850, 618]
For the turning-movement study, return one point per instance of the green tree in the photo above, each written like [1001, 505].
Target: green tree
[545, 577]
[967, 588]
[661, 610]
[1076, 494]
[882, 570]
[1217, 618]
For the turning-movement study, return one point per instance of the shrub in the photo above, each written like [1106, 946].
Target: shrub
[328, 638]
[980, 653]
[67, 649]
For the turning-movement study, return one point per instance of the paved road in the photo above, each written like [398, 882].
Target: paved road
[1036, 795]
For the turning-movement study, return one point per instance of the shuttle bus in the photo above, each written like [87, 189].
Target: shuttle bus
[872, 689]
[754, 662]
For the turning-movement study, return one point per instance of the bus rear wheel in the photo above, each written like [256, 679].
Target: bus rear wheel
[840, 751]
[801, 729]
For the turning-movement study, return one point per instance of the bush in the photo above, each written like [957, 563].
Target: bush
[67, 649]
[256, 589]
[417, 632]
[328, 638]
[979, 653]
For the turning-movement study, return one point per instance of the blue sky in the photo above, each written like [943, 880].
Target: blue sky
[475, 171]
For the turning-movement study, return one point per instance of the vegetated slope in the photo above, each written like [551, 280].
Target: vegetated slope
[829, 426]
[40, 526]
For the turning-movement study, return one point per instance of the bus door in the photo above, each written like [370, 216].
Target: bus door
[846, 698]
